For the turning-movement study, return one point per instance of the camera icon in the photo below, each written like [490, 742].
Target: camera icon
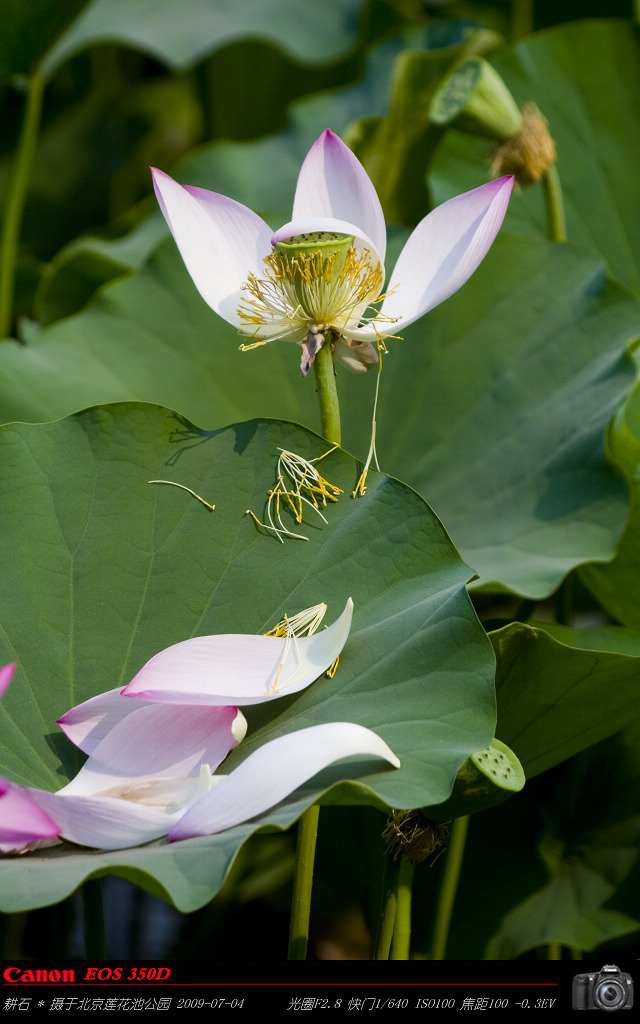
[609, 989]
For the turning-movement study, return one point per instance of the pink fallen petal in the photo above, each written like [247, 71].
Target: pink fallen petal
[112, 823]
[87, 724]
[6, 675]
[239, 669]
[159, 741]
[22, 820]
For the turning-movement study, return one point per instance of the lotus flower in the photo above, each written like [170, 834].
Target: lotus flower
[319, 278]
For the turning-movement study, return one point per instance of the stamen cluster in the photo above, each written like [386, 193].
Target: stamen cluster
[308, 293]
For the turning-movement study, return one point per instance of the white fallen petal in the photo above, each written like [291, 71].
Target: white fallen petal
[110, 823]
[239, 669]
[274, 771]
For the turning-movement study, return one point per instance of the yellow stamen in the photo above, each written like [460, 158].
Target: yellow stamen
[333, 668]
[304, 623]
[182, 487]
[255, 344]
[361, 485]
[309, 289]
[298, 484]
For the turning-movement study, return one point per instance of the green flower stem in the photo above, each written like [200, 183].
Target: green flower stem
[388, 904]
[402, 929]
[93, 920]
[308, 827]
[521, 19]
[564, 601]
[327, 394]
[302, 883]
[15, 199]
[556, 223]
[448, 889]
[554, 951]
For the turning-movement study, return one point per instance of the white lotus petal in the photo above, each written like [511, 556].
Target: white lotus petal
[22, 820]
[220, 241]
[358, 357]
[333, 183]
[275, 770]
[157, 741]
[443, 252]
[240, 668]
[6, 675]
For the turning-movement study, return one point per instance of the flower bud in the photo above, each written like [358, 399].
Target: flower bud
[474, 99]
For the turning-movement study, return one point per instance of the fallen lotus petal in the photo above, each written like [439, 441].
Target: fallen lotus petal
[143, 775]
[22, 820]
[319, 278]
[6, 675]
[239, 669]
[274, 771]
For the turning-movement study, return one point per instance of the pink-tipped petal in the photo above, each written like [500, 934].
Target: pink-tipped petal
[220, 241]
[157, 741]
[239, 669]
[333, 183]
[344, 227]
[443, 252]
[274, 771]
[22, 820]
[6, 675]
[87, 724]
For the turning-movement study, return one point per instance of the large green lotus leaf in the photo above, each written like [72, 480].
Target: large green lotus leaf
[30, 29]
[495, 407]
[504, 391]
[589, 845]
[585, 78]
[308, 32]
[560, 690]
[617, 584]
[101, 570]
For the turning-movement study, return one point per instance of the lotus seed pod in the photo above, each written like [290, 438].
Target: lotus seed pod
[474, 99]
[486, 778]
